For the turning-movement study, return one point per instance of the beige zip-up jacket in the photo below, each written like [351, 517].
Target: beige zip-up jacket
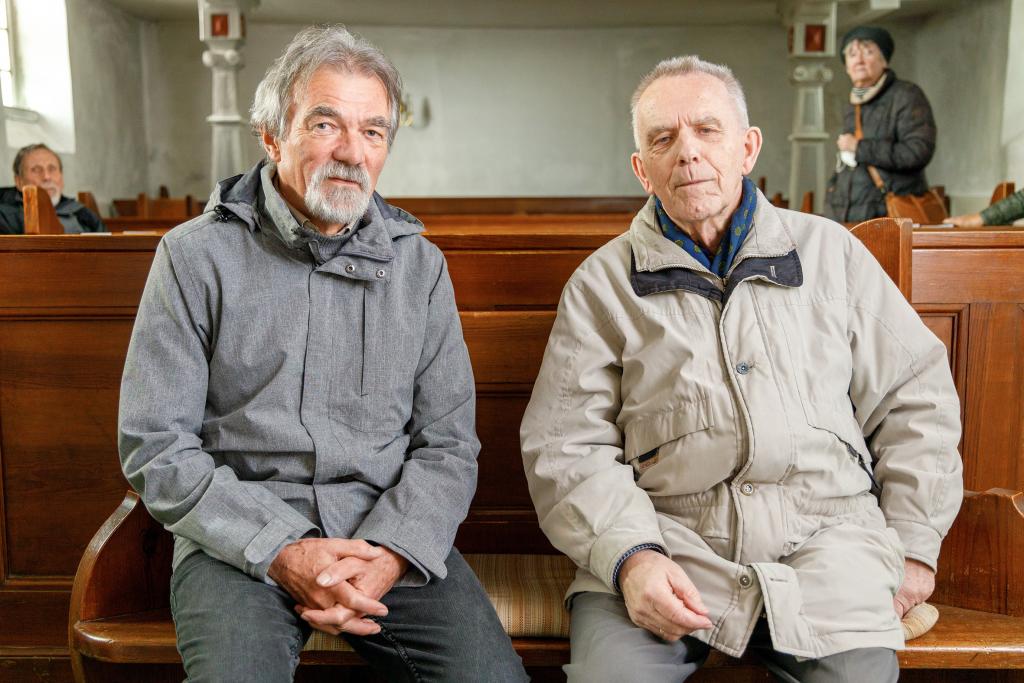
[735, 425]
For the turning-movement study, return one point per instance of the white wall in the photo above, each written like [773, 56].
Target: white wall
[530, 111]
[1013, 106]
[110, 156]
[959, 58]
[513, 112]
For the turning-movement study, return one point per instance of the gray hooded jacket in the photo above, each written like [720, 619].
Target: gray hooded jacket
[266, 398]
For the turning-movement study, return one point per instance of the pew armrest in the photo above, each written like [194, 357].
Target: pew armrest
[981, 566]
[126, 567]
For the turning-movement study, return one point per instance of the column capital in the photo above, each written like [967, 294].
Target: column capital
[810, 73]
[219, 57]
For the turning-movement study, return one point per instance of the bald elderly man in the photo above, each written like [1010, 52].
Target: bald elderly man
[741, 432]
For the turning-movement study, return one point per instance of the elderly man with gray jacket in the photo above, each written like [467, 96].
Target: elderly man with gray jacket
[742, 433]
[298, 404]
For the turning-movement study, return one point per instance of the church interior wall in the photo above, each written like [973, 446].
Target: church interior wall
[110, 156]
[528, 111]
[512, 112]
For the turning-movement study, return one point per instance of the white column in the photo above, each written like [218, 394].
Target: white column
[811, 157]
[222, 28]
[812, 48]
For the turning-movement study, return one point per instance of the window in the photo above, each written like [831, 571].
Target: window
[6, 62]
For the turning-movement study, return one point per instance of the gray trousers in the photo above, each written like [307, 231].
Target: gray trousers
[607, 646]
[231, 627]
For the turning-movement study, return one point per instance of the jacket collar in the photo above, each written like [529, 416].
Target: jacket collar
[865, 95]
[658, 265]
[239, 197]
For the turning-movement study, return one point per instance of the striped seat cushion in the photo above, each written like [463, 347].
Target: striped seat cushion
[527, 592]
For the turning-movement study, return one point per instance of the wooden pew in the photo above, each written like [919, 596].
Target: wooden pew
[778, 200]
[40, 216]
[891, 242]
[807, 205]
[119, 612]
[64, 346]
[181, 208]
[1002, 191]
[87, 200]
[161, 207]
[454, 206]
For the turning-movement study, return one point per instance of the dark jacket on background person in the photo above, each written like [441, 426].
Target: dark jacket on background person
[1005, 212]
[899, 140]
[73, 215]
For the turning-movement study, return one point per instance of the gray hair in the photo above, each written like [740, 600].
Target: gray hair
[684, 66]
[310, 49]
[19, 158]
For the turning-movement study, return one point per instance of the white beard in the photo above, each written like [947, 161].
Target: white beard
[341, 205]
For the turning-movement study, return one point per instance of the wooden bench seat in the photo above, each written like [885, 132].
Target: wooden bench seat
[983, 553]
[996, 643]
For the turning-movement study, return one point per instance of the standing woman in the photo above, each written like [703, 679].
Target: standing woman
[896, 134]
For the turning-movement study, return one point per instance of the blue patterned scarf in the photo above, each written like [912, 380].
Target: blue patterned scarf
[739, 226]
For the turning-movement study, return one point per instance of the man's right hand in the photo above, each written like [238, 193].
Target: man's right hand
[660, 596]
[298, 564]
[968, 220]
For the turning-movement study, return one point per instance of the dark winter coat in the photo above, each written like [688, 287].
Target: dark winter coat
[899, 140]
[73, 215]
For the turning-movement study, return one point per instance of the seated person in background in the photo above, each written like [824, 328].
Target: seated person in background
[1004, 212]
[725, 388]
[39, 165]
[896, 135]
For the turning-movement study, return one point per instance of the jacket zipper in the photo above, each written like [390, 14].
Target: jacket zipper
[876, 489]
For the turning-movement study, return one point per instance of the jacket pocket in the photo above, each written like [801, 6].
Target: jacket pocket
[374, 368]
[656, 446]
[840, 423]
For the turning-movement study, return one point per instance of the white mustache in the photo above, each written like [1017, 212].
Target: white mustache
[342, 171]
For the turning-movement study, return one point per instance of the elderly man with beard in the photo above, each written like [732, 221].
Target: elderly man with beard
[741, 431]
[39, 165]
[297, 404]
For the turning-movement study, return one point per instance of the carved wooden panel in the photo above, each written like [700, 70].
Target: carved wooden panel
[59, 384]
[982, 287]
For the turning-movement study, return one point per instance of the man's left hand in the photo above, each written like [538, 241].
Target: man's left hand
[373, 578]
[847, 143]
[918, 584]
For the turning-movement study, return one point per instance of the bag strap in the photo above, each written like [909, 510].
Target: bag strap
[858, 132]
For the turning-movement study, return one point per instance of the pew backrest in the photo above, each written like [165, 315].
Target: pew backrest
[890, 241]
[1002, 191]
[40, 216]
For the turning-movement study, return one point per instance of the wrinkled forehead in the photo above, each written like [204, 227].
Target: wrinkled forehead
[40, 157]
[685, 100]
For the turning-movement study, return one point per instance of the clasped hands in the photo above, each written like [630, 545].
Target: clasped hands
[661, 598]
[337, 583]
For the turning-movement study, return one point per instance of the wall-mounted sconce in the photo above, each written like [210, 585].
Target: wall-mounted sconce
[411, 116]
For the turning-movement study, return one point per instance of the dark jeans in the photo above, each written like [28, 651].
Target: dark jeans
[231, 627]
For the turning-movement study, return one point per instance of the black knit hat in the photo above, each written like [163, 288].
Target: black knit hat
[878, 36]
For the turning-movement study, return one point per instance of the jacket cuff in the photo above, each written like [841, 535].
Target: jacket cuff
[628, 554]
[608, 550]
[920, 542]
[387, 528]
[989, 215]
[415, 576]
[265, 546]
